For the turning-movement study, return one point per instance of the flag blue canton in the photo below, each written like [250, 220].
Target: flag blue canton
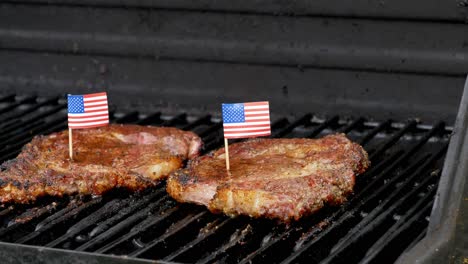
[75, 104]
[233, 113]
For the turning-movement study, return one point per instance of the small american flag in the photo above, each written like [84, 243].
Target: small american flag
[244, 120]
[88, 110]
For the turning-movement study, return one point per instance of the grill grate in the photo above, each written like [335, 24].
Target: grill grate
[388, 212]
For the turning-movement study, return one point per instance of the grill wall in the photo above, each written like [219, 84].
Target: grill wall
[384, 59]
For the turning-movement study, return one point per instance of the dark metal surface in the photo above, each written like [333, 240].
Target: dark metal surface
[190, 58]
[202, 86]
[14, 253]
[390, 204]
[359, 44]
[453, 10]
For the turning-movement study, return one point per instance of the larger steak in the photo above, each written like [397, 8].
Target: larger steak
[128, 156]
[275, 178]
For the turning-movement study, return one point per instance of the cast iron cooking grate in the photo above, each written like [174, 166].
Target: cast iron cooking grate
[388, 213]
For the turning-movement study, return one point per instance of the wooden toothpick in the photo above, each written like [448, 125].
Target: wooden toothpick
[226, 150]
[70, 143]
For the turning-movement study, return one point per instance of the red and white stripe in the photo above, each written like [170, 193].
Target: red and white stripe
[257, 122]
[96, 112]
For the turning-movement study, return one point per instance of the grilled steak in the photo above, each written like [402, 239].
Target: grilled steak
[274, 178]
[128, 156]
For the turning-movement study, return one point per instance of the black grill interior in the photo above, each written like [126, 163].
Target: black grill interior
[388, 213]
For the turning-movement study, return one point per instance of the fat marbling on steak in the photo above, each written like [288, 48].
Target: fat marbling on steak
[127, 156]
[274, 178]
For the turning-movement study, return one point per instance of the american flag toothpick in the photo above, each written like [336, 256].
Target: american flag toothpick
[86, 111]
[245, 120]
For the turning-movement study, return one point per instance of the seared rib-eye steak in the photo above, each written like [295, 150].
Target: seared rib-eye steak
[274, 178]
[128, 156]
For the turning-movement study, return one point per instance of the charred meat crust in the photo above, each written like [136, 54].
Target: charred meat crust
[127, 156]
[275, 178]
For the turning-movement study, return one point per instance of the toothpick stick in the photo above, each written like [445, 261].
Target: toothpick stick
[70, 143]
[226, 149]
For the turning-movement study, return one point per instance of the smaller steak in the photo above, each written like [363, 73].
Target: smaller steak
[128, 156]
[275, 178]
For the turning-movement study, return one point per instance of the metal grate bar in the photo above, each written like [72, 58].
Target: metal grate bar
[32, 214]
[211, 136]
[206, 233]
[189, 222]
[385, 209]
[124, 213]
[399, 239]
[200, 121]
[304, 120]
[11, 119]
[257, 233]
[129, 118]
[400, 195]
[20, 132]
[9, 151]
[15, 104]
[383, 169]
[371, 134]
[58, 127]
[7, 97]
[212, 129]
[270, 240]
[104, 212]
[356, 123]
[353, 251]
[20, 138]
[409, 126]
[403, 236]
[6, 211]
[421, 235]
[386, 239]
[176, 121]
[15, 151]
[164, 212]
[279, 125]
[374, 132]
[33, 118]
[60, 218]
[237, 237]
[322, 126]
[112, 232]
[151, 119]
